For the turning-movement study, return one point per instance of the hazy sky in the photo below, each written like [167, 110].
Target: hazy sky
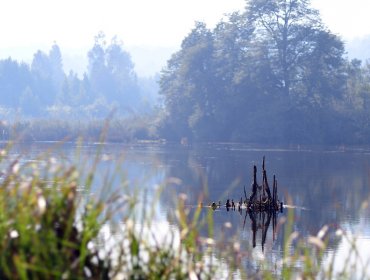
[26, 26]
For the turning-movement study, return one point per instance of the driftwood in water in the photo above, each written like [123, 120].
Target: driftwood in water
[264, 201]
[274, 191]
[265, 183]
[254, 185]
[261, 198]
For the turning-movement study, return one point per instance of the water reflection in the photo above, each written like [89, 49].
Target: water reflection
[327, 186]
[261, 221]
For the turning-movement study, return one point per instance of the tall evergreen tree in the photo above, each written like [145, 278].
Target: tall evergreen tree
[112, 76]
[14, 79]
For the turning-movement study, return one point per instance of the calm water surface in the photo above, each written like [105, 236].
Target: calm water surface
[323, 186]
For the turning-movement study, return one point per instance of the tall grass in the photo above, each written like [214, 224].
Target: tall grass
[51, 227]
[44, 227]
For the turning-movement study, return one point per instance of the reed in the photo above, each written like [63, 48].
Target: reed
[52, 228]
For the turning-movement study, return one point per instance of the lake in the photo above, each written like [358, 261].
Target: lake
[320, 185]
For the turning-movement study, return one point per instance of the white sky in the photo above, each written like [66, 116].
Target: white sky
[26, 26]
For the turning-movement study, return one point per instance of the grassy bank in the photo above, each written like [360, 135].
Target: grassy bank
[120, 130]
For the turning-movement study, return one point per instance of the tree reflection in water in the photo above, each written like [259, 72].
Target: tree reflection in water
[261, 220]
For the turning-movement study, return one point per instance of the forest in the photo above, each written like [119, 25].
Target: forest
[271, 74]
[42, 90]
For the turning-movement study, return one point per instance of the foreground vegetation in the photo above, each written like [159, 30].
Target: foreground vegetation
[51, 226]
[54, 224]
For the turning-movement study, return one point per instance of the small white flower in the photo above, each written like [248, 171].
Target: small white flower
[193, 275]
[14, 234]
[41, 203]
[317, 242]
[87, 271]
[15, 168]
[94, 260]
[210, 241]
[90, 246]
[130, 224]
[228, 225]
[237, 246]
[322, 232]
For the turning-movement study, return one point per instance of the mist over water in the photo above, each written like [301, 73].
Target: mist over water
[322, 186]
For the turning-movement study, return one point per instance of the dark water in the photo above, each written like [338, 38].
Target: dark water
[322, 186]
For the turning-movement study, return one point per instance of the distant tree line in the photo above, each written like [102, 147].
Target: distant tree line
[43, 90]
[270, 74]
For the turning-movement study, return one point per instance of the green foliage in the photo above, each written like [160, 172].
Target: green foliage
[273, 74]
[44, 226]
[51, 228]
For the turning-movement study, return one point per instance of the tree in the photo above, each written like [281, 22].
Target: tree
[111, 74]
[272, 73]
[243, 79]
[14, 78]
[30, 103]
[97, 71]
[185, 85]
[307, 61]
[48, 75]
[56, 65]
[356, 105]
[286, 26]
[322, 71]
[72, 92]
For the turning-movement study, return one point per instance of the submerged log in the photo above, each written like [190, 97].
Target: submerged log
[266, 185]
[261, 202]
[254, 185]
[258, 201]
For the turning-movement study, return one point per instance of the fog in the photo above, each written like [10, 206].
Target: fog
[242, 76]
